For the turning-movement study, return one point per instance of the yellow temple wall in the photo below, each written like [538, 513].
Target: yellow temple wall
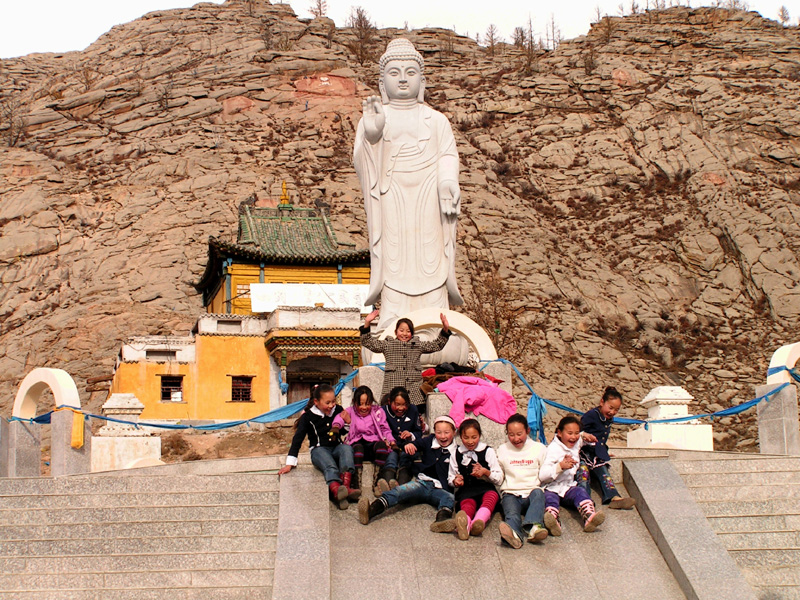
[218, 357]
[242, 275]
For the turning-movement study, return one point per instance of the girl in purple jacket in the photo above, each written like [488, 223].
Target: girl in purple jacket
[370, 436]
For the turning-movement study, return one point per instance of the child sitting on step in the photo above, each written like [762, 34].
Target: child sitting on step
[595, 457]
[558, 476]
[328, 453]
[430, 485]
[522, 497]
[403, 419]
[474, 473]
[370, 436]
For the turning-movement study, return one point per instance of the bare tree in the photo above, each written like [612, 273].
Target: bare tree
[492, 38]
[634, 7]
[553, 33]
[518, 37]
[319, 8]
[598, 15]
[783, 15]
[365, 33]
[11, 123]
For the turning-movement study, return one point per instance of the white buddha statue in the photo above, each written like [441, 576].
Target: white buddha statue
[406, 160]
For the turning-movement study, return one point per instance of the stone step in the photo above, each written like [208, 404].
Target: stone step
[124, 563]
[221, 593]
[234, 578]
[138, 545]
[760, 523]
[38, 516]
[761, 540]
[720, 493]
[750, 507]
[739, 465]
[83, 484]
[100, 499]
[753, 478]
[773, 557]
[247, 526]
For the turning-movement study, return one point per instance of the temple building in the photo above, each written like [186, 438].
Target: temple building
[283, 306]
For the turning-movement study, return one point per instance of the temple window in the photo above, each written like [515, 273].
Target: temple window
[172, 388]
[241, 388]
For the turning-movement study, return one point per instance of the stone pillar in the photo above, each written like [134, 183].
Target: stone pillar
[669, 402]
[493, 433]
[64, 459]
[118, 445]
[372, 377]
[778, 429]
[20, 449]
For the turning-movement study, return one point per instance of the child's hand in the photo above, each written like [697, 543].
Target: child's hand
[445, 324]
[458, 481]
[568, 462]
[334, 435]
[372, 316]
[405, 435]
[479, 471]
[410, 449]
[285, 469]
[346, 417]
[588, 437]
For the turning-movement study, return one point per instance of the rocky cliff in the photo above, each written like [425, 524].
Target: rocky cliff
[630, 200]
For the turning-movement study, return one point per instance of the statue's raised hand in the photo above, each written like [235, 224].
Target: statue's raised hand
[374, 119]
[449, 197]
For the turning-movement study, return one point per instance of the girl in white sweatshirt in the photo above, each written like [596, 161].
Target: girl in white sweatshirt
[522, 497]
[558, 475]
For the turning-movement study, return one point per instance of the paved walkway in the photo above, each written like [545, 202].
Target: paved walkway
[396, 556]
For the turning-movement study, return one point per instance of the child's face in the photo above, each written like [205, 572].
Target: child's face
[402, 333]
[399, 406]
[363, 407]
[444, 433]
[326, 402]
[570, 434]
[517, 434]
[470, 438]
[610, 407]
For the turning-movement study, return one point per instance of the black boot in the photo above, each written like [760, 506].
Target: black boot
[367, 511]
[403, 475]
[444, 523]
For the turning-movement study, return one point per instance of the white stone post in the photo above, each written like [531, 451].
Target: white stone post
[669, 402]
[118, 445]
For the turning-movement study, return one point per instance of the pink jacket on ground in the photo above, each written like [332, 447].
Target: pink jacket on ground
[475, 395]
[372, 428]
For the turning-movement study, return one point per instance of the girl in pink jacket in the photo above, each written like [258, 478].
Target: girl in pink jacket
[371, 438]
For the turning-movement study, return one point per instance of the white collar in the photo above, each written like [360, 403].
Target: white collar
[479, 448]
[318, 412]
[435, 444]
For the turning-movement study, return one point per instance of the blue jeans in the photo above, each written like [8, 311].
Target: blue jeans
[417, 492]
[607, 487]
[332, 461]
[532, 506]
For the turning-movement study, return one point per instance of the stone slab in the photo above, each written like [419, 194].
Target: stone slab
[22, 449]
[778, 428]
[372, 377]
[303, 552]
[698, 560]
[64, 459]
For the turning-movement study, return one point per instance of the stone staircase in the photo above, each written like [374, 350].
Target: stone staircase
[159, 534]
[753, 504]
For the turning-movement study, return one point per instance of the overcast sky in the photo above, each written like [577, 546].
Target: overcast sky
[60, 25]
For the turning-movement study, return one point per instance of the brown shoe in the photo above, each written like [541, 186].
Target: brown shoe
[510, 536]
[462, 525]
[552, 524]
[620, 503]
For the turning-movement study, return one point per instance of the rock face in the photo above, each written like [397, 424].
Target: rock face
[631, 200]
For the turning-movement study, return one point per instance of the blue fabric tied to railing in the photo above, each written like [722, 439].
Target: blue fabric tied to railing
[537, 407]
[792, 372]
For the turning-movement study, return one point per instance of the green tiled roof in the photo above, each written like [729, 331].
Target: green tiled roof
[289, 232]
[283, 235]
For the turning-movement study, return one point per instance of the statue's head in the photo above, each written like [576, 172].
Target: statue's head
[401, 72]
